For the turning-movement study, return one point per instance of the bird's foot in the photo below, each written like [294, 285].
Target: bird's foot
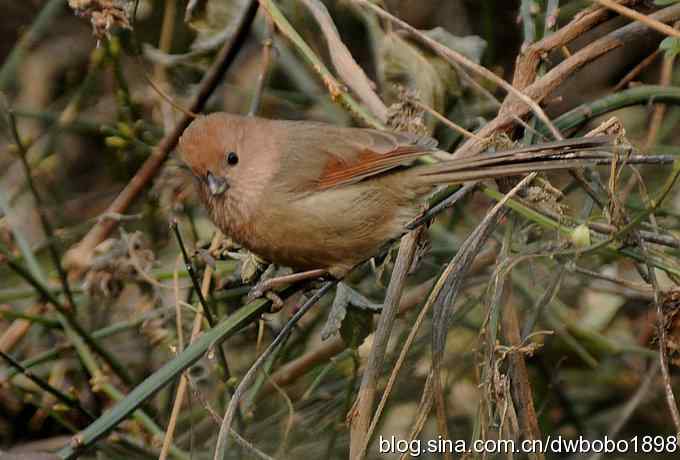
[265, 288]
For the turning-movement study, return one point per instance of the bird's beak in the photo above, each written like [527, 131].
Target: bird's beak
[217, 185]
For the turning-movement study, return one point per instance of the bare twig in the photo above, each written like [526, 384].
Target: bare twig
[79, 256]
[225, 428]
[637, 70]
[632, 404]
[349, 71]
[520, 387]
[456, 57]
[65, 311]
[538, 90]
[632, 14]
[19, 327]
[531, 57]
[195, 330]
[457, 128]
[337, 91]
[267, 51]
[361, 414]
[59, 395]
[660, 109]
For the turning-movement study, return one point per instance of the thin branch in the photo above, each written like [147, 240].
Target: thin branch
[225, 428]
[337, 91]
[454, 56]
[267, 52]
[630, 407]
[632, 14]
[47, 227]
[180, 393]
[80, 256]
[360, 418]
[66, 399]
[541, 88]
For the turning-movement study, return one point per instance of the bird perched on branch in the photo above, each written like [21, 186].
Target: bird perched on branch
[322, 199]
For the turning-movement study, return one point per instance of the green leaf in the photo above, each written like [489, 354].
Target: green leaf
[123, 408]
[671, 46]
[665, 2]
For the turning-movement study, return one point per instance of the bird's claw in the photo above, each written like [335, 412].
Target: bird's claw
[263, 289]
[256, 292]
[277, 302]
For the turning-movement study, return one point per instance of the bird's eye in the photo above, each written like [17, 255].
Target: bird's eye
[232, 158]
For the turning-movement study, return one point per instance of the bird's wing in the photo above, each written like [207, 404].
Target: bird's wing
[360, 154]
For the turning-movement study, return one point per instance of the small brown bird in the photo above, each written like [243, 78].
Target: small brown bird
[321, 198]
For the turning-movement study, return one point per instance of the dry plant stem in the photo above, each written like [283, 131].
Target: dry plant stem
[453, 56]
[298, 367]
[178, 309]
[165, 44]
[424, 408]
[632, 14]
[293, 370]
[612, 279]
[79, 256]
[205, 307]
[181, 389]
[28, 39]
[637, 70]
[195, 330]
[281, 451]
[345, 65]
[267, 51]
[520, 387]
[440, 410]
[659, 109]
[337, 91]
[455, 273]
[18, 329]
[663, 357]
[225, 428]
[397, 367]
[174, 414]
[407, 345]
[60, 396]
[631, 405]
[661, 319]
[529, 60]
[544, 86]
[363, 409]
[66, 311]
[218, 421]
[457, 128]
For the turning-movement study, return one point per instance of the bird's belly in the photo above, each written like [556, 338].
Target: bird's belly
[333, 230]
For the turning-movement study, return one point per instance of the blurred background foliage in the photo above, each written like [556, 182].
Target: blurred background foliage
[84, 92]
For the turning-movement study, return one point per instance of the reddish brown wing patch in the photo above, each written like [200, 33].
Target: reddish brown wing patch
[366, 164]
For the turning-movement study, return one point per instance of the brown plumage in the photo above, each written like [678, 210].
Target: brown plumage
[315, 196]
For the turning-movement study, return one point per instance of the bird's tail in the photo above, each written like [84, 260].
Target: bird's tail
[567, 154]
